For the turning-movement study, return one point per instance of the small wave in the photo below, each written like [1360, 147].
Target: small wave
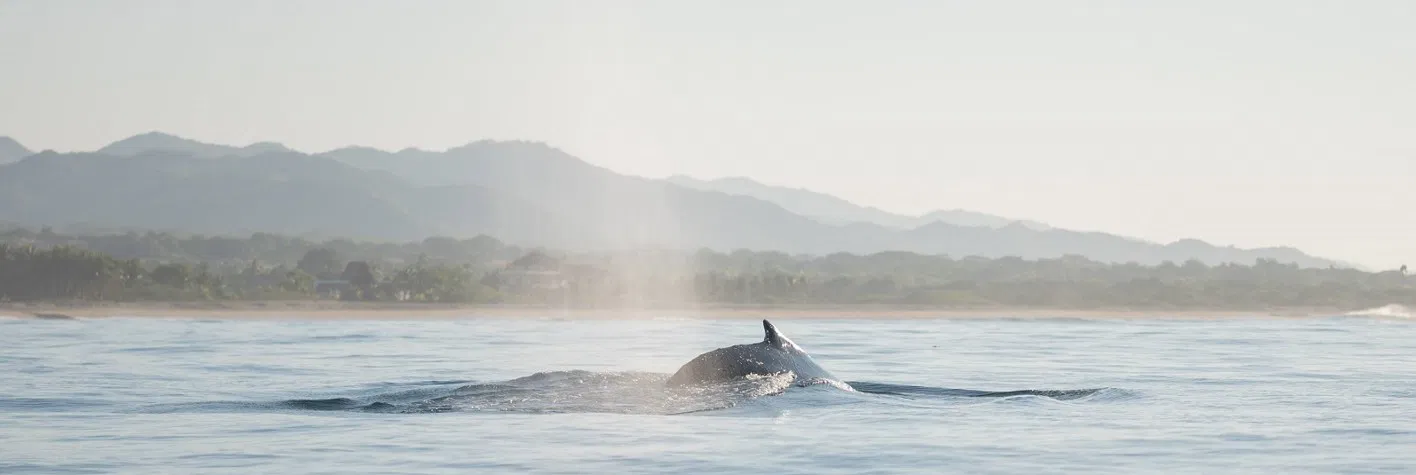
[21, 404]
[350, 337]
[51, 316]
[1385, 311]
[909, 391]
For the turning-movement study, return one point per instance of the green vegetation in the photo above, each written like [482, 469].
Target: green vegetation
[45, 266]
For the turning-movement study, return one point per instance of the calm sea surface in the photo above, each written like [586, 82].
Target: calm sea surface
[482, 395]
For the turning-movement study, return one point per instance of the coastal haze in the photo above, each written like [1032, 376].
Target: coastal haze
[453, 236]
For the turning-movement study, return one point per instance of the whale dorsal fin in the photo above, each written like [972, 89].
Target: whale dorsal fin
[773, 338]
[776, 338]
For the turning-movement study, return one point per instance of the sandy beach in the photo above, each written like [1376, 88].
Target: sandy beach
[334, 310]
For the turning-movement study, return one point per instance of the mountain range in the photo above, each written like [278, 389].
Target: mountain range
[158, 141]
[833, 210]
[526, 193]
[11, 150]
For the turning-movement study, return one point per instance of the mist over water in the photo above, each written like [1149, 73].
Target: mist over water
[120, 395]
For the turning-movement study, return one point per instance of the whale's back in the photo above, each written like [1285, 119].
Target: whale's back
[775, 354]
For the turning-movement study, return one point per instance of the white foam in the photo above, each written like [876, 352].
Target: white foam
[769, 384]
[1390, 311]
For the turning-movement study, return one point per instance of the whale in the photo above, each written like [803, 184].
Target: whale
[775, 354]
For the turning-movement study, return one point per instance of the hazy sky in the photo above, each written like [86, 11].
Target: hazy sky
[1252, 123]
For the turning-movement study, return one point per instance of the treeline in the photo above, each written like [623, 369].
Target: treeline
[928, 281]
[28, 273]
[45, 265]
[262, 247]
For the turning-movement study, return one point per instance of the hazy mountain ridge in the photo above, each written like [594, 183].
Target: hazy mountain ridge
[522, 192]
[835, 210]
[965, 217]
[288, 192]
[820, 206]
[11, 150]
[158, 141]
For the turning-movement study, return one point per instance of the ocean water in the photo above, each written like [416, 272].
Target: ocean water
[487, 395]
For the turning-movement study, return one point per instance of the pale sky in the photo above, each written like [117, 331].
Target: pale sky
[1281, 122]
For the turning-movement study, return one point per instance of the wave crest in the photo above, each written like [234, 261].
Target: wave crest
[1387, 311]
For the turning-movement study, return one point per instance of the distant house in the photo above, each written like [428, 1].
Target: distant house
[534, 271]
[331, 289]
[537, 271]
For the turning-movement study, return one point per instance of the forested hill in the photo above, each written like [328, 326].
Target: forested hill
[46, 266]
[521, 192]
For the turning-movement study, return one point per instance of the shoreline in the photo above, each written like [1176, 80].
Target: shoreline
[335, 310]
